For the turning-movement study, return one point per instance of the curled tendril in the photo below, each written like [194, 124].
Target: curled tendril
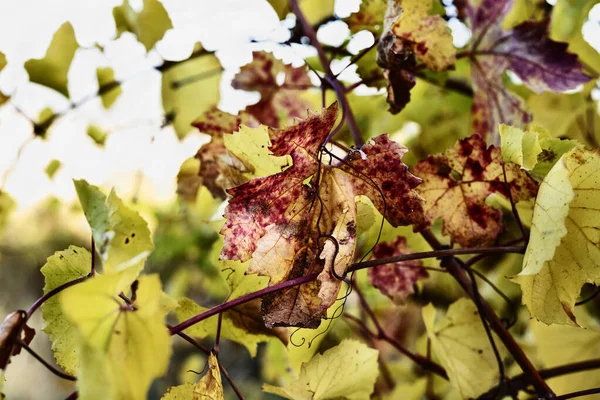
[292, 339]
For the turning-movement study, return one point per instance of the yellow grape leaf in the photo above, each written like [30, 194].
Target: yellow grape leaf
[564, 247]
[190, 88]
[7, 206]
[462, 346]
[52, 70]
[346, 371]
[314, 10]
[60, 268]
[210, 387]
[122, 237]
[97, 135]
[428, 35]
[149, 25]
[408, 390]
[122, 347]
[109, 88]
[534, 150]
[575, 344]
[368, 17]
[2, 61]
[242, 324]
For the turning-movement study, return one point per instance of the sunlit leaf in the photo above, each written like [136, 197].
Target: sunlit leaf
[2, 61]
[209, 387]
[149, 25]
[457, 184]
[564, 247]
[52, 167]
[191, 88]
[7, 207]
[369, 17]
[314, 10]
[52, 70]
[64, 266]
[463, 348]
[122, 347]
[122, 238]
[347, 371]
[98, 135]
[109, 88]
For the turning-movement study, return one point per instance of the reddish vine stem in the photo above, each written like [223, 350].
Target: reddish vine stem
[581, 393]
[332, 79]
[73, 396]
[45, 363]
[542, 389]
[53, 293]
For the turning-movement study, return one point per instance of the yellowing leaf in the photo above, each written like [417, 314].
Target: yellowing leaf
[122, 347]
[122, 237]
[564, 247]
[52, 70]
[190, 88]
[347, 371]
[7, 206]
[314, 10]
[209, 387]
[109, 88]
[64, 266]
[2, 61]
[427, 35]
[368, 17]
[149, 25]
[462, 346]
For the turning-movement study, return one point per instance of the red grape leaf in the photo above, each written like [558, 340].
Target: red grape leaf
[411, 35]
[541, 63]
[303, 220]
[457, 183]
[395, 280]
[279, 85]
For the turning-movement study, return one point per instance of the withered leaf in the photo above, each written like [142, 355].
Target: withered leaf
[303, 220]
[457, 183]
[280, 87]
[395, 280]
[13, 331]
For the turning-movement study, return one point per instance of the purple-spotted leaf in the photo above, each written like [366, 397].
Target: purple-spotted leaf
[395, 280]
[303, 220]
[280, 87]
[541, 63]
[457, 183]
[411, 35]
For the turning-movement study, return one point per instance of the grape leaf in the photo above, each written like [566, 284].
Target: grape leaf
[315, 11]
[346, 371]
[395, 280]
[149, 25]
[290, 228]
[209, 387]
[190, 88]
[410, 34]
[108, 87]
[542, 65]
[457, 183]
[241, 324]
[52, 70]
[368, 17]
[122, 237]
[280, 87]
[534, 151]
[563, 251]
[122, 347]
[463, 348]
[60, 268]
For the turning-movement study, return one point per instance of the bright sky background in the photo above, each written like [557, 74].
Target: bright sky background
[136, 142]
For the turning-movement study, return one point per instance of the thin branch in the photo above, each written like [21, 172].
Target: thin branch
[581, 393]
[455, 85]
[455, 269]
[55, 371]
[53, 293]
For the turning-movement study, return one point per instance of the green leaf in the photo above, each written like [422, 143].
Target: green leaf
[97, 135]
[149, 25]
[315, 11]
[52, 167]
[122, 348]
[122, 237]
[109, 88]
[209, 387]
[52, 70]
[564, 247]
[191, 88]
[462, 346]
[7, 207]
[64, 266]
[346, 371]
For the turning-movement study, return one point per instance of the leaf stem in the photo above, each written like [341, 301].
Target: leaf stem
[454, 268]
[53, 293]
[45, 363]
